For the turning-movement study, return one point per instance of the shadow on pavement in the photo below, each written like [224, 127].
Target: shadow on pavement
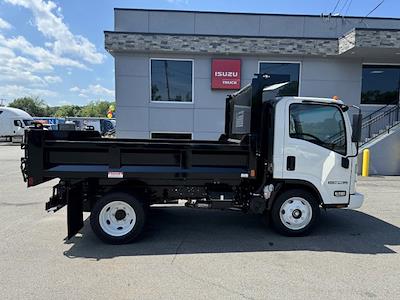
[181, 230]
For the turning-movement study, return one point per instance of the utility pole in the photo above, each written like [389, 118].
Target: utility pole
[167, 80]
[3, 102]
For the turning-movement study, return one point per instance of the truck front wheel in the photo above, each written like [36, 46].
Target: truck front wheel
[295, 212]
[118, 218]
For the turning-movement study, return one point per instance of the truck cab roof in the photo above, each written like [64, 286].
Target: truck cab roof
[16, 112]
[317, 99]
[272, 91]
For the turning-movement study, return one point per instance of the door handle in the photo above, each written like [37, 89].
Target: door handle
[290, 163]
[345, 162]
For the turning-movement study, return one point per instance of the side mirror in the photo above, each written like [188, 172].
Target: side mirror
[356, 128]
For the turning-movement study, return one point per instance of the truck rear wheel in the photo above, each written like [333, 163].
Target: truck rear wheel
[295, 213]
[118, 218]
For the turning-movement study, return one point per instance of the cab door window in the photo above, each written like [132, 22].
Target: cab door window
[322, 125]
[18, 123]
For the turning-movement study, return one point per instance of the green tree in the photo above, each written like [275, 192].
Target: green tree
[51, 111]
[96, 109]
[68, 111]
[32, 105]
[38, 108]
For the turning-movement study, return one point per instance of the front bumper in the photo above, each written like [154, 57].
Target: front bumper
[356, 201]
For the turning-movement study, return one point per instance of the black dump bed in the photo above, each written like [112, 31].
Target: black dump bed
[85, 154]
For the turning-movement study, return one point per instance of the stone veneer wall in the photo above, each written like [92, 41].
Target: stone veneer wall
[370, 38]
[178, 43]
[138, 42]
[347, 42]
[366, 38]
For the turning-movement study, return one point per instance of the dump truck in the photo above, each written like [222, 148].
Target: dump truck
[284, 157]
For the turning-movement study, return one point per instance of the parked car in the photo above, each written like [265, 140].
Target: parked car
[102, 125]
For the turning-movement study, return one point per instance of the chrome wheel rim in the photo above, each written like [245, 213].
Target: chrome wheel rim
[295, 213]
[117, 218]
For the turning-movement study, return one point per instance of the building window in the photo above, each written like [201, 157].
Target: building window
[283, 72]
[380, 84]
[171, 136]
[171, 80]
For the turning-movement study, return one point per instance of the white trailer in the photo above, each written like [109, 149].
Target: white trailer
[13, 122]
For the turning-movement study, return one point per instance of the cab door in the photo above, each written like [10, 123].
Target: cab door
[18, 127]
[315, 147]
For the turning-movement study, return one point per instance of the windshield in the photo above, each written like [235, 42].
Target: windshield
[28, 122]
[319, 124]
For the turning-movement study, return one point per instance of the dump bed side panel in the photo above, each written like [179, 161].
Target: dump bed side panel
[36, 154]
[82, 155]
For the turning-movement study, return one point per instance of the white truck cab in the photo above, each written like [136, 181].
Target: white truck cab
[314, 144]
[13, 122]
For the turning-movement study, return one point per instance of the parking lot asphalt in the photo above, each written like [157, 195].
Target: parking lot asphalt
[198, 254]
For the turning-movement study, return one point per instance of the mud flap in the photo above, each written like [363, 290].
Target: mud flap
[74, 209]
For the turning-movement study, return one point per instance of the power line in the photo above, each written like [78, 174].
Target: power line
[343, 7]
[347, 9]
[380, 3]
[337, 3]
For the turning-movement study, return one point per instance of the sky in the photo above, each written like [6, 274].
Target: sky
[55, 49]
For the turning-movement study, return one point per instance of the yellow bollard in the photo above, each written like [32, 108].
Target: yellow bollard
[365, 163]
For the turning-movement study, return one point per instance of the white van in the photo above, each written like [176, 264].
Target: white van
[13, 122]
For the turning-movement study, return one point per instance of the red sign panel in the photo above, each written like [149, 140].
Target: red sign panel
[225, 74]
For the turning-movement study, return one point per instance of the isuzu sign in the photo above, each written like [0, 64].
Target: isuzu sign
[225, 74]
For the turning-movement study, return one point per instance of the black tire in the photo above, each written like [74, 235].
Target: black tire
[288, 228]
[131, 203]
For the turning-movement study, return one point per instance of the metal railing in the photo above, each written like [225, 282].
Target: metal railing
[375, 124]
[380, 122]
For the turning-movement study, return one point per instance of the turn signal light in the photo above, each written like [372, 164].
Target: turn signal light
[339, 193]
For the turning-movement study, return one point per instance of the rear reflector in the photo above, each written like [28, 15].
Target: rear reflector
[115, 174]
